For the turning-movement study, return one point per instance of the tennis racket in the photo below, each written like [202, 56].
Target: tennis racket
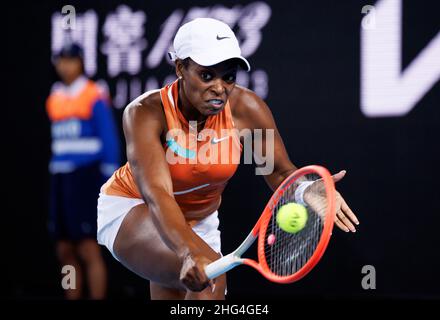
[286, 257]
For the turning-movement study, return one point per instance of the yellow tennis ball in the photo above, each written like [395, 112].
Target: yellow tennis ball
[292, 217]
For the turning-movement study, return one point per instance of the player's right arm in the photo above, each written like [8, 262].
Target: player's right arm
[143, 124]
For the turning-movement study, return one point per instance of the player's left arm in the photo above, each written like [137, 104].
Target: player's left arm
[253, 113]
[259, 116]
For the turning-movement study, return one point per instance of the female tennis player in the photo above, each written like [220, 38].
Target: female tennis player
[158, 216]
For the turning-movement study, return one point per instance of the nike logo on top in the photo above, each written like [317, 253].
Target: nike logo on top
[221, 38]
[215, 140]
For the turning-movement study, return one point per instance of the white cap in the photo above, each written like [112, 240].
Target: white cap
[207, 42]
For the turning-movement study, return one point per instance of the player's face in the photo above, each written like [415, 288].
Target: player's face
[208, 88]
[68, 69]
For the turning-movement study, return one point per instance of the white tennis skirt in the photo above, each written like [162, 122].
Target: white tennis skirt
[113, 209]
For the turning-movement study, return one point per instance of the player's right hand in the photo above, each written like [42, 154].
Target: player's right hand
[192, 273]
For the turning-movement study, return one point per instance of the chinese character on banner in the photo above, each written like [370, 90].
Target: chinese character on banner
[124, 33]
[84, 33]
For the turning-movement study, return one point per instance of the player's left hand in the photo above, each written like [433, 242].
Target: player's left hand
[314, 196]
[345, 218]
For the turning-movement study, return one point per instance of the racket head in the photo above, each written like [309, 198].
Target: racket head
[286, 257]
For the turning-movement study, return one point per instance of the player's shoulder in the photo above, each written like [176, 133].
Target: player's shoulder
[244, 101]
[148, 104]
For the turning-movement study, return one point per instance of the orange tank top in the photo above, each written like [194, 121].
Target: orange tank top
[200, 163]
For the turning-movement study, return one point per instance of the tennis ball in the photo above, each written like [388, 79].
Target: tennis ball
[292, 217]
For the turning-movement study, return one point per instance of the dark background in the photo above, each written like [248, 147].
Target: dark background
[311, 53]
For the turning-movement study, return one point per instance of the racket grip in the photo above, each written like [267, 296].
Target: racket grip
[222, 265]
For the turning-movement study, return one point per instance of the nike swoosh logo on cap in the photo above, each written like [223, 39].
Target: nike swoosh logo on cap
[221, 38]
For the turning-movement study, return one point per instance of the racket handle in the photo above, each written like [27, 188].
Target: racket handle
[222, 265]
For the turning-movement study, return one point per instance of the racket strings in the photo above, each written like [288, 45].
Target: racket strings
[291, 251]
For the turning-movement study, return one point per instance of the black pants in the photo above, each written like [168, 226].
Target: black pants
[73, 202]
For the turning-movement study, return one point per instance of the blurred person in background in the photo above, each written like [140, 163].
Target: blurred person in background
[85, 152]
